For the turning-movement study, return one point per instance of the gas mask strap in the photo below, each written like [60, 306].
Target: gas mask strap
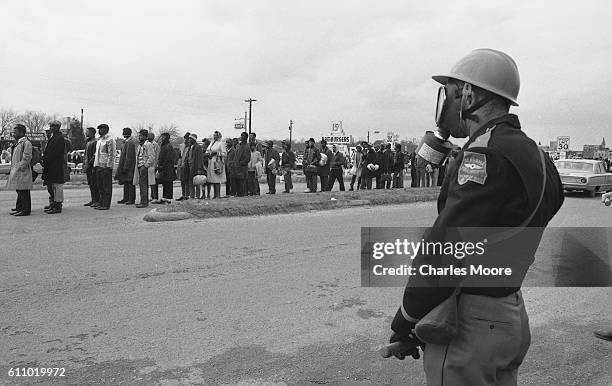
[467, 113]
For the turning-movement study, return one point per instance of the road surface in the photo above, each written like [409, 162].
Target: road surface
[271, 299]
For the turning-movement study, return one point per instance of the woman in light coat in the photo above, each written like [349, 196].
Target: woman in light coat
[20, 177]
[216, 154]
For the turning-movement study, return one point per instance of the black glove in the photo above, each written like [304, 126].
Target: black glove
[410, 346]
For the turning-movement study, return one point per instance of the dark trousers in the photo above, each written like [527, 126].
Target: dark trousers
[167, 190]
[367, 184]
[271, 177]
[353, 178]
[129, 192]
[288, 181]
[24, 202]
[252, 183]
[155, 192]
[335, 174]
[398, 179]
[92, 181]
[414, 183]
[311, 182]
[143, 184]
[105, 185]
[50, 191]
[387, 183]
[324, 180]
[239, 186]
[379, 183]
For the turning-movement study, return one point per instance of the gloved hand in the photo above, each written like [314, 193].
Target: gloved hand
[402, 346]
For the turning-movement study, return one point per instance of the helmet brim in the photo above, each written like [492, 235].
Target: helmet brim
[443, 79]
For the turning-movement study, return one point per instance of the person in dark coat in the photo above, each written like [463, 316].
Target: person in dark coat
[196, 165]
[387, 156]
[166, 174]
[288, 164]
[336, 173]
[54, 167]
[413, 171]
[230, 160]
[125, 169]
[310, 164]
[324, 169]
[242, 156]
[271, 154]
[88, 167]
[398, 167]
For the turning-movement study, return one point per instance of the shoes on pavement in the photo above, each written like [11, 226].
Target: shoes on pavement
[121, 201]
[47, 207]
[142, 205]
[15, 210]
[130, 203]
[94, 204]
[307, 191]
[89, 203]
[605, 335]
[19, 214]
[181, 198]
[54, 210]
[102, 208]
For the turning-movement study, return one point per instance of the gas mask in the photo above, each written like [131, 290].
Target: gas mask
[451, 114]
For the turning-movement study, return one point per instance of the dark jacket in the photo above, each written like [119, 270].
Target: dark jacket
[386, 161]
[230, 162]
[337, 161]
[311, 157]
[196, 161]
[398, 162]
[127, 161]
[165, 163]
[90, 155]
[54, 160]
[242, 156]
[288, 160]
[496, 181]
[324, 170]
[270, 155]
[370, 158]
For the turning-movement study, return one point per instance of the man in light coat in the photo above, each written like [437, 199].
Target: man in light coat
[144, 170]
[20, 177]
[153, 183]
[104, 162]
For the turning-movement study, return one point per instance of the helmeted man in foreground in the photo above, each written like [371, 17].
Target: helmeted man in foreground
[499, 179]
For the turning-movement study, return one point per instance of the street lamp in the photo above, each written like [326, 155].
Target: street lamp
[290, 130]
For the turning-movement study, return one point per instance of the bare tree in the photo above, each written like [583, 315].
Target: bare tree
[8, 117]
[35, 121]
[171, 129]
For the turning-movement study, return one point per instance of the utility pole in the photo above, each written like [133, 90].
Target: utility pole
[81, 119]
[245, 118]
[250, 100]
[290, 130]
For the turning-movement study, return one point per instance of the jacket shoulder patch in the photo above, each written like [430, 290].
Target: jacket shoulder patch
[473, 168]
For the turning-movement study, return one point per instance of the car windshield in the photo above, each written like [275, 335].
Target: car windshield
[573, 165]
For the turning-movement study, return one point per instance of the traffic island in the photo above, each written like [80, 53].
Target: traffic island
[287, 203]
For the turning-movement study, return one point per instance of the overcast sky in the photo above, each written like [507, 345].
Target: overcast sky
[366, 63]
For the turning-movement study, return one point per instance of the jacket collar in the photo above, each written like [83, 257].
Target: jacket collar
[507, 119]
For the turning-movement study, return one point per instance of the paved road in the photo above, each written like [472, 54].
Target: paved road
[261, 299]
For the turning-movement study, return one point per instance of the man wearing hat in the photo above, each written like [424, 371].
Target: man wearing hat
[20, 177]
[183, 168]
[271, 162]
[196, 164]
[54, 167]
[126, 166]
[103, 165]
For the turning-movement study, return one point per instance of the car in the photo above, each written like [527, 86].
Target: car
[585, 175]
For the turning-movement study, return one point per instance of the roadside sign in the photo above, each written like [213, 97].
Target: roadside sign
[563, 143]
[239, 126]
[336, 127]
[337, 139]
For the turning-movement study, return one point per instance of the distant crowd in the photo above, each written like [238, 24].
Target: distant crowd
[202, 167]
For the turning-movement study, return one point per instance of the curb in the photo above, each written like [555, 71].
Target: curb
[155, 216]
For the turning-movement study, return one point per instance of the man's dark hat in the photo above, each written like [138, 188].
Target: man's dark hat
[102, 126]
[144, 132]
[127, 131]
